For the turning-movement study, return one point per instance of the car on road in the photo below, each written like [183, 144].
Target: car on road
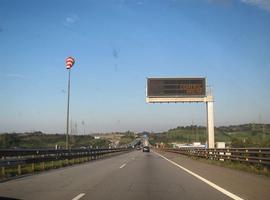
[146, 149]
[138, 148]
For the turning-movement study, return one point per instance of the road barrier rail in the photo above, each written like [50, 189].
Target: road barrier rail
[14, 161]
[245, 155]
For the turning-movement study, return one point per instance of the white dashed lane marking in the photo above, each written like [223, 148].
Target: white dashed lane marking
[78, 196]
[122, 166]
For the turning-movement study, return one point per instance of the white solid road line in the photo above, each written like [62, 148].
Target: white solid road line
[229, 194]
[122, 166]
[78, 196]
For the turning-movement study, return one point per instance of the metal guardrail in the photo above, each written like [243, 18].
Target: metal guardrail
[245, 155]
[18, 158]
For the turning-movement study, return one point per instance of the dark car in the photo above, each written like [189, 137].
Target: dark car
[146, 149]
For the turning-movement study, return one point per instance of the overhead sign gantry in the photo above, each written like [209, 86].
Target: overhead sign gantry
[181, 90]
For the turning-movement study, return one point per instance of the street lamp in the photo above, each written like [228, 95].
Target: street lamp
[69, 63]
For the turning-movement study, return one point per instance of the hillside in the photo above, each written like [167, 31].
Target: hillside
[41, 140]
[245, 135]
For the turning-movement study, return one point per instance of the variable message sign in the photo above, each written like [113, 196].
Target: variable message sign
[176, 87]
[183, 90]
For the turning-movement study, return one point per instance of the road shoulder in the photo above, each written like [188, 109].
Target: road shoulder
[246, 185]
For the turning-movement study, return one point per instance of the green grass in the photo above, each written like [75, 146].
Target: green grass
[38, 167]
[252, 168]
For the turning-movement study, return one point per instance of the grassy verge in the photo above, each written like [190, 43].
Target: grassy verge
[38, 167]
[15, 171]
[251, 168]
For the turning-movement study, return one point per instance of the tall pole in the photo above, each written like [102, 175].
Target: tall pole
[67, 139]
[210, 124]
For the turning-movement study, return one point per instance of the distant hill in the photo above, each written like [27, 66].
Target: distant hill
[38, 139]
[41, 140]
[244, 135]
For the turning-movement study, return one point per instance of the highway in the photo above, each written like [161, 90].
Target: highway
[138, 175]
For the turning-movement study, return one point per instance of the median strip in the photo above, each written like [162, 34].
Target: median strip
[213, 185]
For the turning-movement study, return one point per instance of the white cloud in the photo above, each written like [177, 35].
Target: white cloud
[71, 19]
[263, 4]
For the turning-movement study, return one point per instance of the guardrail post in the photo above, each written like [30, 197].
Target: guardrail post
[33, 164]
[43, 165]
[3, 171]
[60, 162]
[3, 168]
[85, 157]
[88, 156]
[19, 168]
[79, 158]
[68, 160]
[82, 158]
[92, 155]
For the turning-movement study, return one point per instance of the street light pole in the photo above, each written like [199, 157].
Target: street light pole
[69, 63]
[67, 139]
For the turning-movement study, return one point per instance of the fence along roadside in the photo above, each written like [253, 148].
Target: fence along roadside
[244, 155]
[15, 162]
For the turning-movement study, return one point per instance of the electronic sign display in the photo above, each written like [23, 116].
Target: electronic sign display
[176, 87]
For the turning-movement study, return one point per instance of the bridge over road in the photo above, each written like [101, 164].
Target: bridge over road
[138, 175]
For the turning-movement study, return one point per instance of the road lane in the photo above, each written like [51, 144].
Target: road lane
[143, 176]
[149, 176]
[64, 183]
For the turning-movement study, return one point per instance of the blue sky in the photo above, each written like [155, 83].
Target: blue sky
[117, 44]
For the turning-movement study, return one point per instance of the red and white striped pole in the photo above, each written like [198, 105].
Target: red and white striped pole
[69, 63]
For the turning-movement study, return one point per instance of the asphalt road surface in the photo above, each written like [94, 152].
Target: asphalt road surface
[140, 176]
